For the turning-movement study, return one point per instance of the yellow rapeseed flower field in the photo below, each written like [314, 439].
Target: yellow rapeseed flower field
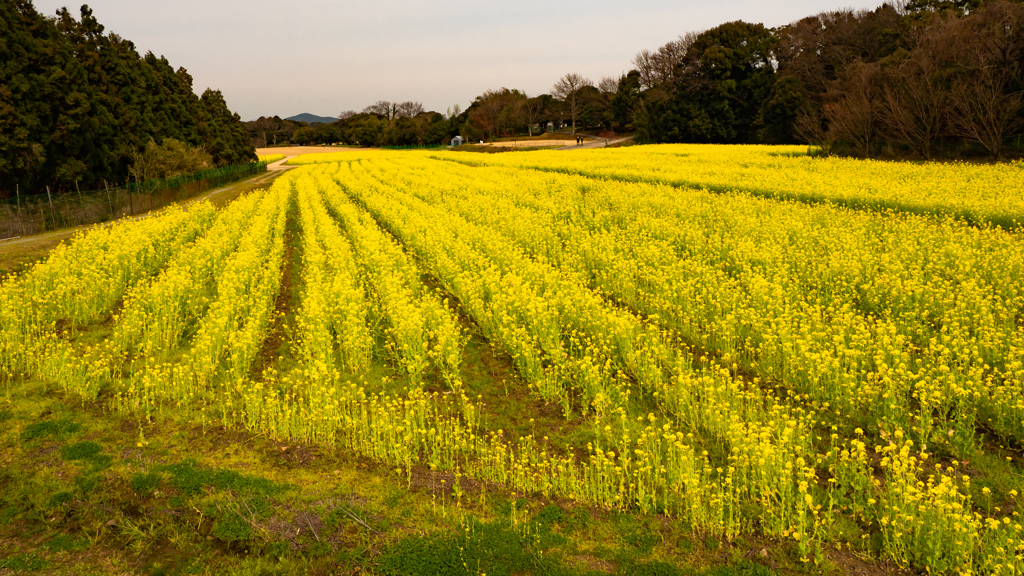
[747, 338]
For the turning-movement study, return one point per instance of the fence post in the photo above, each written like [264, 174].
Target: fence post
[81, 204]
[67, 208]
[50, 201]
[109, 201]
[17, 190]
[131, 203]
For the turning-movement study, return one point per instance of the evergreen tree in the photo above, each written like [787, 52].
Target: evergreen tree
[78, 105]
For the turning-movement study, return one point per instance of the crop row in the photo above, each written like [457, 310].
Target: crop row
[983, 195]
[741, 363]
[848, 308]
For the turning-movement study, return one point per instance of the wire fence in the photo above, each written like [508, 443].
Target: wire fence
[24, 214]
[415, 147]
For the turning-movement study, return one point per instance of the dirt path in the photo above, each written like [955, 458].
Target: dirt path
[595, 144]
[280, 164]
[300, 150]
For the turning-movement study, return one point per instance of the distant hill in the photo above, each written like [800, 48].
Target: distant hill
[312, 118]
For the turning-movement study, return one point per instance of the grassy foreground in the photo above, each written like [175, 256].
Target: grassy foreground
[87, 491]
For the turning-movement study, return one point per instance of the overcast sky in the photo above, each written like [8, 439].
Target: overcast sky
[324, 56]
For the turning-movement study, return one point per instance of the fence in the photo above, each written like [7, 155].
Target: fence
[24, 214]
[416, 147]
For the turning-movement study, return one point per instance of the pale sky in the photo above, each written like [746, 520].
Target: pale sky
[324, 57]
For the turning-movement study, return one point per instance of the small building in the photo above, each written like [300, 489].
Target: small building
[457, 141]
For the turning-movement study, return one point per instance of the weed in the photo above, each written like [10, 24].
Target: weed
[550, 515]
[145, 484]
[86, 482]
[26, 562]
[65, 543]
[189, 478]
[81, 450]
[231, 528]
[741, 568]
[49, 428]
[492, 548]
[636, 533]
[7, 514]
[653, 569]
[61, 498]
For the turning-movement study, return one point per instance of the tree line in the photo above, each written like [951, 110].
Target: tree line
[928, 78]
[383, 123]
[80, 107]
[922, 78]
[494, 114]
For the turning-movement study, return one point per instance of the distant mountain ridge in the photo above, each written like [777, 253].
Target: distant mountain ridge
[312, 118]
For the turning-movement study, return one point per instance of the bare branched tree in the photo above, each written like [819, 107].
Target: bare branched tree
[346, 114]
[916, 103]
[989, 47]
[984, 111]
[382, 108]
[409, 109]
[608, 85]
[664, 66]
[531, 111]
[497, 110]
[854, 115]
[809, 127]
[568, 90]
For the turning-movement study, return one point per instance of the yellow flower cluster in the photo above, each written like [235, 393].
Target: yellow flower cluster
[746, 346]
[231, 329]
[78, 283]
[981, 194]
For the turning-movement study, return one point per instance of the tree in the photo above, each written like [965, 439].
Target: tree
[494, 112]
[988, 90]
[225, 138]
[409, 109]
[568, 90]
[731, 69]
[78, 104]
[915, 101]
[661, 69]
[436, 131]
[171, 158]
[854, 115]
[779, 111]
[303, 136]
[532, 110]
[382, 108]
[366, 131]
[346, 114]
[716, 90]
[626, 98]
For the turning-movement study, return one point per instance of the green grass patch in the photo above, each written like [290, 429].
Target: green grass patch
[27, 562]
[45, 428]
[189, 478]
[491, 548]
[144, 484]
[60, 498]
[231, 528]
[65, 543]
[81, 450]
